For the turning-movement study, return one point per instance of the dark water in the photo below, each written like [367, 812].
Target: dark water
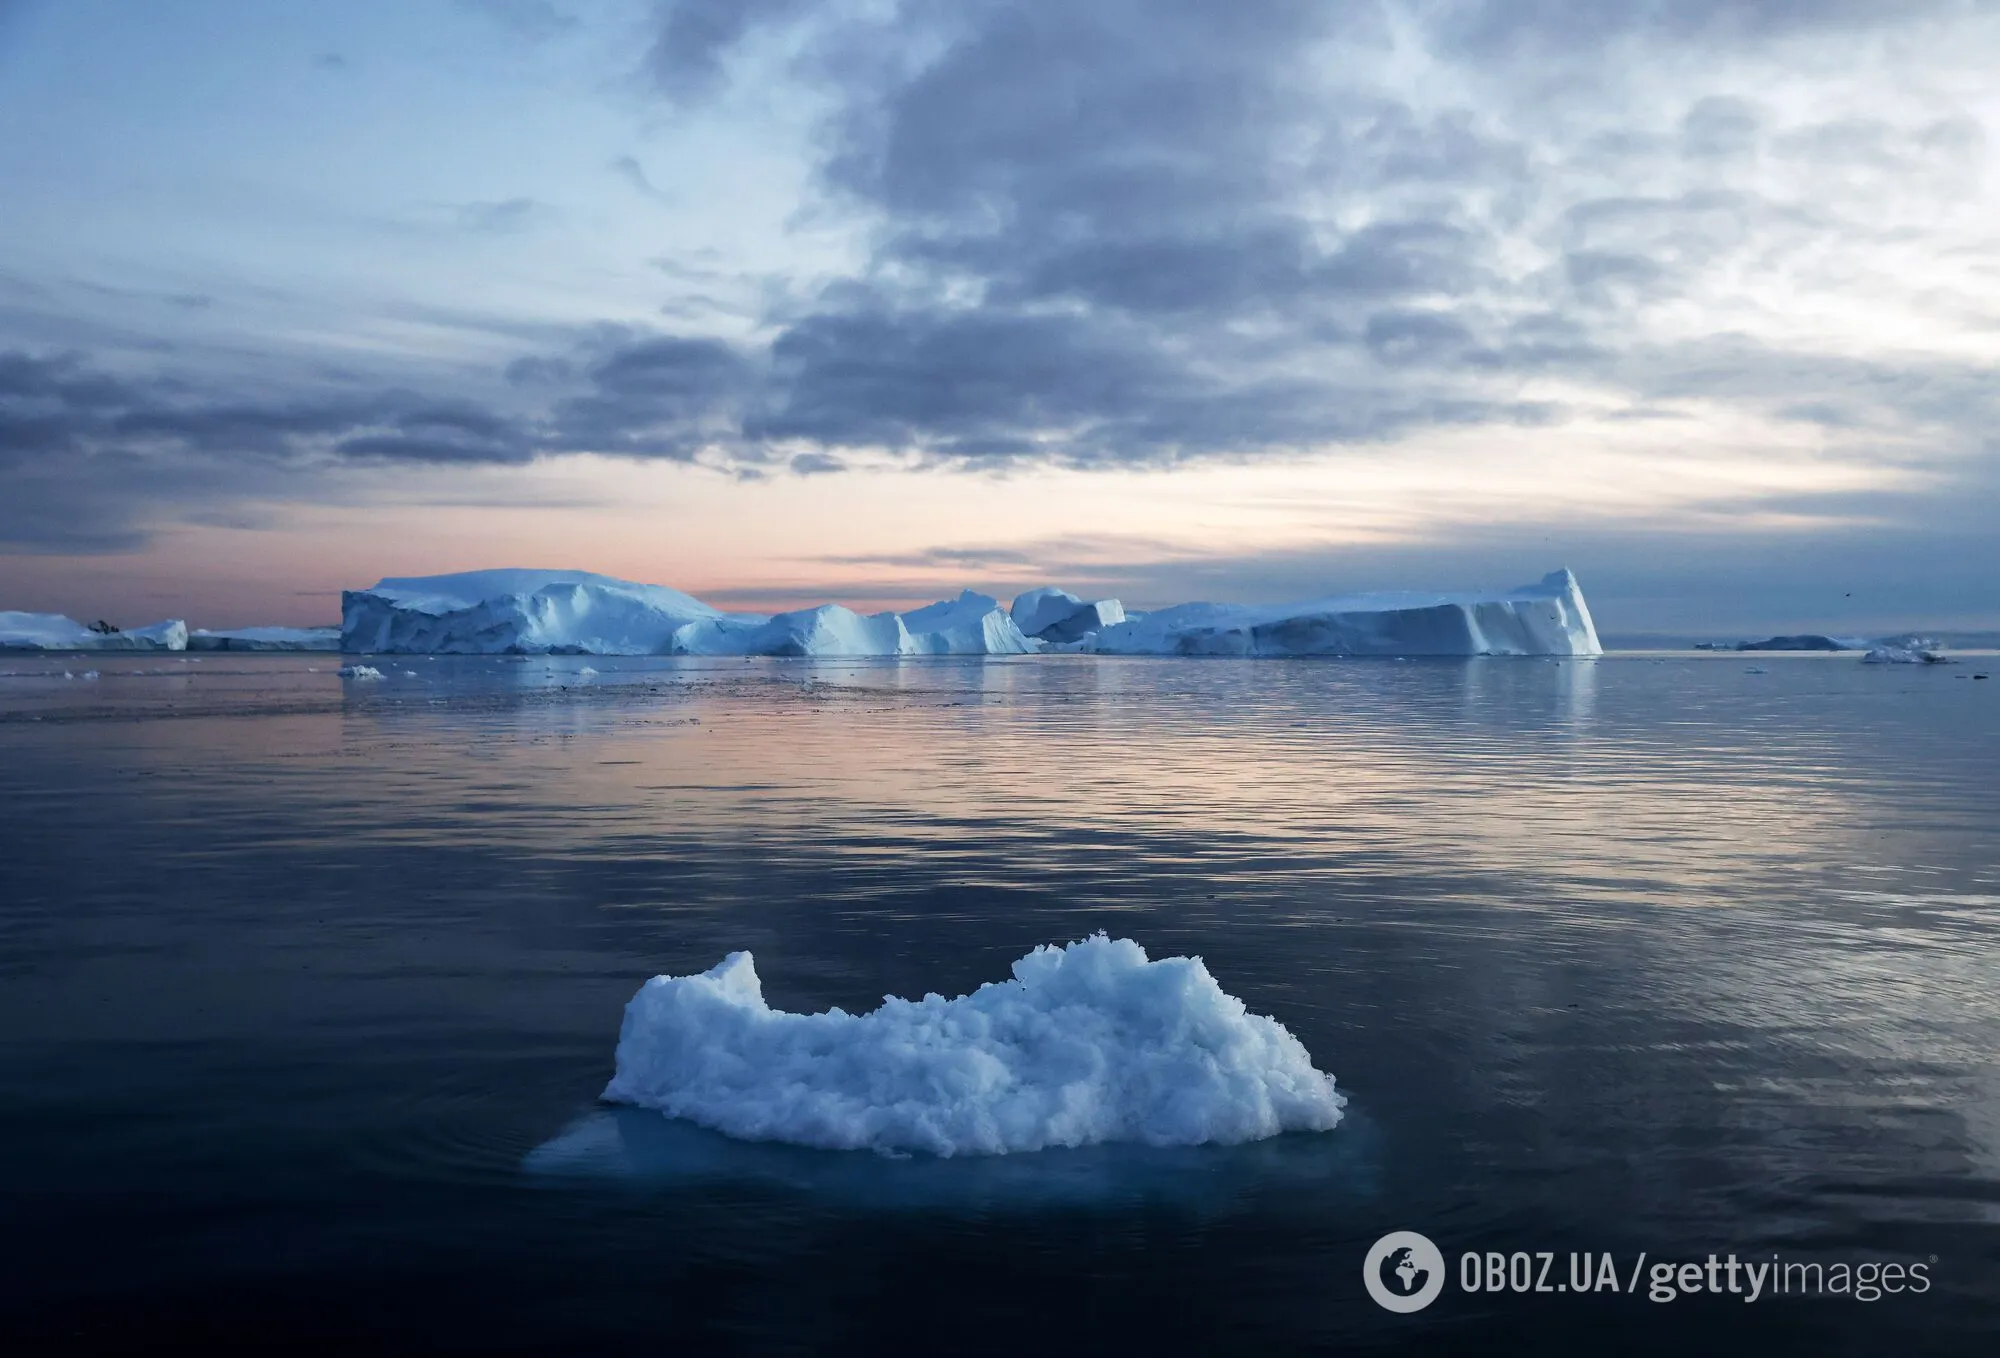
[1662, 955]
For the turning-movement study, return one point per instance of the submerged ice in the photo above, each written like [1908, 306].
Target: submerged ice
[1087, 1043]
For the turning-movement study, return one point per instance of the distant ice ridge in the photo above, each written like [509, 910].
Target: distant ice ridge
[1546, 618]
[1088, 1043]
[265, 639]
[54, 632]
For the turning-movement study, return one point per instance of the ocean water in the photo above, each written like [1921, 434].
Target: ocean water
[308, 988]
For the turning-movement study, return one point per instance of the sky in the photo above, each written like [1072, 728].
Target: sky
[782, 302]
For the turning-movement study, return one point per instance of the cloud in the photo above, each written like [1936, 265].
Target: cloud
[632, 172]
[537, 20]
[88, 458]
[1144, 233]
[507, 216]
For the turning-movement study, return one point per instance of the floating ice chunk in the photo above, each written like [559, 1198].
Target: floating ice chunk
[54, 632]
[358, 672]
[1088, 1043]
[1910, 650]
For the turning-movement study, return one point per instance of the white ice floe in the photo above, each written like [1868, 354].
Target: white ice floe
[54, 632]
[265, 639]
[1088, 1043]
[358, 672]
[1546, 618]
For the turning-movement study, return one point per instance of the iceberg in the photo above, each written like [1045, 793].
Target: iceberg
[520, 611]
[501, 612]
[1088, 1043]
[971, 624]
[1059, 616]
[265, 639]
[579, 613]
[1546, 618]
[1906, 650]
[1811, 641]
[54, 632]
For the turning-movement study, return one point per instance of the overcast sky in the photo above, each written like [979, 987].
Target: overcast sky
[780, 301]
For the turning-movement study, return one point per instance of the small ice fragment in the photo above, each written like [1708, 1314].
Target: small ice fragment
[1087, 1043]
[359, 672]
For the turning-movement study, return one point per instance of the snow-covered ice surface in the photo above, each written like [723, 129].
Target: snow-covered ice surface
[264, 639]
[54, 632]
[1088, 1043]
[1546, 618]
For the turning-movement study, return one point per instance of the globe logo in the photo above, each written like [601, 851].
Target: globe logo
[1403, 1272]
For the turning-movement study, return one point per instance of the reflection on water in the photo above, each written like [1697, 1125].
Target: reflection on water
[311, 984]
[634, 1145]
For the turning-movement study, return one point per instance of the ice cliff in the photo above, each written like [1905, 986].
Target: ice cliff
[1087, 1043]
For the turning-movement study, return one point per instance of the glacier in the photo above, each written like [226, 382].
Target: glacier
[1088, 1043]
[265, 639]
[1545, 618]
[54, 632]
[522, 611]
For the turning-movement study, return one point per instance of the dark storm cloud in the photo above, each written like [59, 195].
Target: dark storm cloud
[86, 454]
[1095, 247]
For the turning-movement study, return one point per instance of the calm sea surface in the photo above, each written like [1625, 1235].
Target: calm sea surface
[307, 989]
